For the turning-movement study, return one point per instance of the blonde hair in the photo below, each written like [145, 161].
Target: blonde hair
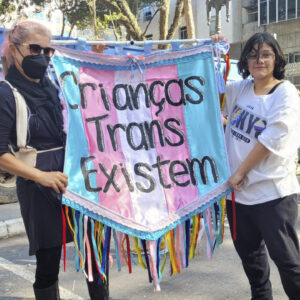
[19, 34]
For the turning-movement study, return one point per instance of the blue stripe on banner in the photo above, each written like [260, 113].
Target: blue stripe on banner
[199, 140]
[77, 146]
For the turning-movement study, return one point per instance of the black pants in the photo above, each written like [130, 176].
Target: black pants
[269, 225]
[47, 266]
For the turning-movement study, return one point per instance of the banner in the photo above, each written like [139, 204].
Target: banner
[145, 147]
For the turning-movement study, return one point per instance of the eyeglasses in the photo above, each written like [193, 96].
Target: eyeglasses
[263, 56]
[36, 49]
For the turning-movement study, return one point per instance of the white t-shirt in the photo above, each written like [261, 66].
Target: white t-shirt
[274, 121]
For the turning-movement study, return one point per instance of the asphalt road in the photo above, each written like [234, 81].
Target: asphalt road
[218, 279]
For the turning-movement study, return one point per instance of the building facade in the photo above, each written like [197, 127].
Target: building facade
[282, 19]
[279, 17]
[232, 29]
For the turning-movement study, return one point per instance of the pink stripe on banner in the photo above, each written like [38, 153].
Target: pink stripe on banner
[107, 157]
[176, 196]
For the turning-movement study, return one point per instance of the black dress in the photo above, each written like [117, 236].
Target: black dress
[40, 206]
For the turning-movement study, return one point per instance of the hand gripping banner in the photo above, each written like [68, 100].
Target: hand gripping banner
[145, 153]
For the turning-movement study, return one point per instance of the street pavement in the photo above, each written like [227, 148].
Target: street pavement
[11, 223]
[220, 278]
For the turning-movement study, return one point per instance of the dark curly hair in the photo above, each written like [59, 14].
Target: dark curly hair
[260, 38]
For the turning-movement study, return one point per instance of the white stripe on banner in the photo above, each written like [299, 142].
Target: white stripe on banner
[140, 200]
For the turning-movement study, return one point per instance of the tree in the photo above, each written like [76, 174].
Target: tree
[79, 17]
[7, 7]
[164, 19]
[189, 19]
[102, 14]
[128, 16]
[72, 10]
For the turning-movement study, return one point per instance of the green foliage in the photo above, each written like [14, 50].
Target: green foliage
[6, 7]
[80, 12]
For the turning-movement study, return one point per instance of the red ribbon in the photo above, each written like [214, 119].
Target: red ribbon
[128, 253]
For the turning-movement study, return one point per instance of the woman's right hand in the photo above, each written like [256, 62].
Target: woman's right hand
[56, 180]
[217, 37]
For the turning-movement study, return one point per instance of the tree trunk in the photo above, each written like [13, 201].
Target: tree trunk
[136, 8]
[95, 19]
[176, 20]
[133, 24]
[71, 29]
[63, 25]
[189, 19]
[116, 33]
[164, 20]
[119, 30]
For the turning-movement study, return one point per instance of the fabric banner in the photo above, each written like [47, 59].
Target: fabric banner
[145, 148]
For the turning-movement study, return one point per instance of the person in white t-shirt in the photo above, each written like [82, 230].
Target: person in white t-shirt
[262, 137]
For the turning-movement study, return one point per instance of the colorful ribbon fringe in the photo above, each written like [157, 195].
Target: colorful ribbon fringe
[92, 240]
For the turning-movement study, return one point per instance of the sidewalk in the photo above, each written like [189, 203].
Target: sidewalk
[11, 223]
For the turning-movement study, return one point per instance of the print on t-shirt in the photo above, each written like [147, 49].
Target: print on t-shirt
[245, 125]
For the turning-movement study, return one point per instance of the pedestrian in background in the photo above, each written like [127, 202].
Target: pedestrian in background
[28, 52]
[262, 136]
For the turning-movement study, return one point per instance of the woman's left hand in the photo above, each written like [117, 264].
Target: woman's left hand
[236, 180]
[99, 48]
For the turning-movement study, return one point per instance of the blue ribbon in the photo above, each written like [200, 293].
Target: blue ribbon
[187, 239]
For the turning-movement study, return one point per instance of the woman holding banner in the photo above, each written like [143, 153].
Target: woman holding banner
[41, 179]
[262, 136]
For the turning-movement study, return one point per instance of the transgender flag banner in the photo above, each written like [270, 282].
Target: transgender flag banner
[145, 155]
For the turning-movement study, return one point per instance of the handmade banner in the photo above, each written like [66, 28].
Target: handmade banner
[145, 148]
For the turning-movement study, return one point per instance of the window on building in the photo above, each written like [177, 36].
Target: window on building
[252, 15]
[147, 13]
[291, 9]
[272, 11]
[183, 33]
[281, 10]
[263, 12]
[149, 37]
[297, 80]
[297, 57]
[292, 57]
[286, 56]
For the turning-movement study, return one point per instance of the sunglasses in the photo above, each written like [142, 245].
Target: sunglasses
[36, 49]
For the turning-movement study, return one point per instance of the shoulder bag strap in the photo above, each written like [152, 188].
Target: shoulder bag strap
[21, 117]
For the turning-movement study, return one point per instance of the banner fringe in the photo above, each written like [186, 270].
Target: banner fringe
[92, 241]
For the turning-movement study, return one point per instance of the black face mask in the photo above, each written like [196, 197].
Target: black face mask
[35, 66]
